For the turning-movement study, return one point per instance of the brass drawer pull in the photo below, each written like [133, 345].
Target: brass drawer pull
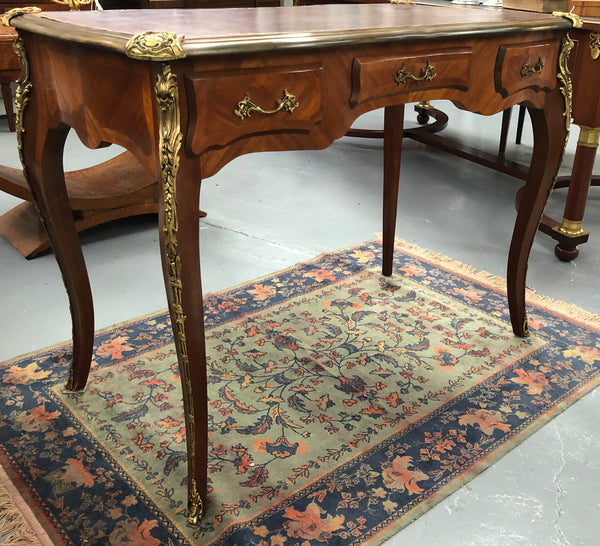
[527, 69]
[427, 74]
[245, 107]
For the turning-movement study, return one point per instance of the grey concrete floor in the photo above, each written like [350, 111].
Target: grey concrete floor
[269, 211]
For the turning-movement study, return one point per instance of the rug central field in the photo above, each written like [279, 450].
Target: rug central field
[342, 405]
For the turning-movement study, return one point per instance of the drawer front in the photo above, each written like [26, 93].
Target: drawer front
[373, 77]
[526, 66]
[253, 102]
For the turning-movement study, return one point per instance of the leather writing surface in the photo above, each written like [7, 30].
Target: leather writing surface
[221, 31]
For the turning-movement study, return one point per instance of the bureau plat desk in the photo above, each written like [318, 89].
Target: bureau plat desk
[190, 91]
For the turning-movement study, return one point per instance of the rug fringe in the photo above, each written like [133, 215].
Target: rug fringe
[568, 310]
[16, 528]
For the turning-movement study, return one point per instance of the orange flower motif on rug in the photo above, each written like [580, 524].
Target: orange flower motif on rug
[131, 531]
[22, 376]
[535, 381]
[398, 475]
[310, 523]
[261, 292]
[590, 355]
[114, 348]
[487, 420]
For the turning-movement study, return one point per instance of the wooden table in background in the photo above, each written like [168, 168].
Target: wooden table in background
[267, 79]
[586, 114]
[585, 65]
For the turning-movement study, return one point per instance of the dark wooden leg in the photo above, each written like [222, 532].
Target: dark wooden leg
[393, 130]
[520, 124]
[550, 132]
[43, 162]
[506, 115]
[581, 176]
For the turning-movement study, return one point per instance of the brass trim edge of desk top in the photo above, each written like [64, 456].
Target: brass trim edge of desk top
[573, 17]
[252, 43]
[15, 12]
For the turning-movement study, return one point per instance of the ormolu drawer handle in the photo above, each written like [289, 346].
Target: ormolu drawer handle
[527, 69]
[427, 74]
[245, 107]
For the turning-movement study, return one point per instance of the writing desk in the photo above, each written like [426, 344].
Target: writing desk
[190, 93]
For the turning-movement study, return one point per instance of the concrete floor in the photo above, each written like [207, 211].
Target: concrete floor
[269, 211]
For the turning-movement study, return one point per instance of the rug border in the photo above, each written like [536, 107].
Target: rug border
[568, 311]
[476, 470]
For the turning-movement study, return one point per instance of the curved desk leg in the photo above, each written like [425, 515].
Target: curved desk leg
[393, 130]
[180, 255]
[42, 154]
[550, 132]
[583, 166]
[178, 216]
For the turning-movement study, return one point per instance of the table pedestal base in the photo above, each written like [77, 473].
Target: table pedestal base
[568, 233]
[115, 189]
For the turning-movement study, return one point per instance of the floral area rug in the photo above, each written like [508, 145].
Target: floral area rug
[342, 406]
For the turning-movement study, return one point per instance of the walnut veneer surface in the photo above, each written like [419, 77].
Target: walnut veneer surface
[269, 79]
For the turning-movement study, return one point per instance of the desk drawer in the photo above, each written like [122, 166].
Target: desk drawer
[526, 66]
[253, 102]
[374, 77]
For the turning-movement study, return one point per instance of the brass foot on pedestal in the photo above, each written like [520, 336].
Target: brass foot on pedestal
[422, 112]
[571, 232]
